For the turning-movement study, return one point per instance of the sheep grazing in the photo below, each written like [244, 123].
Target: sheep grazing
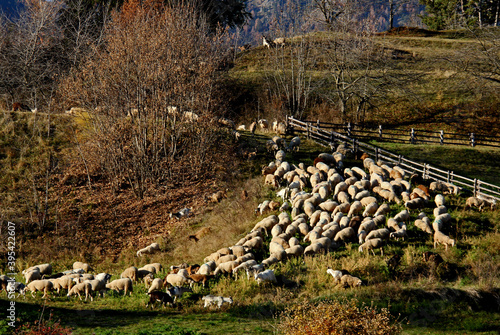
[44, 269]
[336, 274]
[176, 280]
[350, 281]
[33, 274]
[200, 278]
[123, 284]
[162, 297]
[81, 288]
[62, 283]
[373, 244]
[440, 238]
[216, 300]
[177, 291]
[149, 249]
[43, 285]
[156, 285]
[200, 233]
[294, 144]
[480, 203]
[265, 276]
[131, 272]
[80, 265]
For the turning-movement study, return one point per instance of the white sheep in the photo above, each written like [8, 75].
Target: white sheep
[350, 281]
[149, 249]
[123, 284]
[98, 286]
[42, 285]
[80, 265]
[131, 272]
[424, 224]
[440, 238]
[336, 274]
[371, 244]
[382, 233]
[212, 299]
[294, 144]
[226, 267]
[439, 200]
[31, 275]
[63, 282]
[81, 288]
[265, 276]
[157, 285]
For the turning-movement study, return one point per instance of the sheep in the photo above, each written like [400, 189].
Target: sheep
[402, 216]
[279, 41]
[199, 278]
[350, 281]
[44, 269]
[270, 261]
[367, 226]
[267, 223]
[416, 203]
[153, 267]
[382, 210]
[33, 274]
[80, 265]
[355, 208]
[480, 203]
[345, 235]
[212, 299]
[296, 250]
[225, 258]
[314, 248]
[440, 210]
[440, 220]
[78, 289]
[15, 286]
[370, 209]
[98, 285]
[400, 233]
[382, 233]
[439, 200]
[424, 224]
[440, 238]
[372, 244]
[294, 144]
[162, 297]
[123, 284]
[44, 285]
[149, 249]
[62, 283]
[264, 124]
[254, 243]
[131, 272]
[178, 291]
[336, 274]
[157, 285]
[265, 276]
[226, 267]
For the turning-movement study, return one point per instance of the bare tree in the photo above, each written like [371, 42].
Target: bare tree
[152, 92]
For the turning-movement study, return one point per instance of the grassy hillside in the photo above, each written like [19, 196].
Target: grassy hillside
[65, 212]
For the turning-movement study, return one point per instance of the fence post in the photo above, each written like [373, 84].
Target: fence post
[399, 159]
[354, 147]
[376, 155]
[475, 187]
[308, 130]
[448, 176]
[317, 122]
[472, 140]
[380, 131]
[349, 129]
[412, 136]
[441, 137]
[332, 136]
[424, 172]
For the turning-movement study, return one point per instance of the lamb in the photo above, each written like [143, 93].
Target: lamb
[350, 281]
[162, 297]
[157, 285]
[84, 288]
[373, 244]
[85, 266]
[265, 276]
[336, 274]
[131, 272]
[123, 284]
[149, 249]
[440, 238]
[44, 285]
[212, 299]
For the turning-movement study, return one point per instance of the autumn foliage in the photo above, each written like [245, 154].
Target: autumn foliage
[335, 317]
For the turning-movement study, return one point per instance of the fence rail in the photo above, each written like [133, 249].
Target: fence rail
[414, 136]
[328, 137]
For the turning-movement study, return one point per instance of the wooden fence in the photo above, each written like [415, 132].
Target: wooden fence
[329, 138]
[413, 136]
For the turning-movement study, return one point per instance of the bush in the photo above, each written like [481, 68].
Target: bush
[334, 317]
[43, 327]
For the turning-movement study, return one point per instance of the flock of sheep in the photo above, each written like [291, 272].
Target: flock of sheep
[322, 207]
